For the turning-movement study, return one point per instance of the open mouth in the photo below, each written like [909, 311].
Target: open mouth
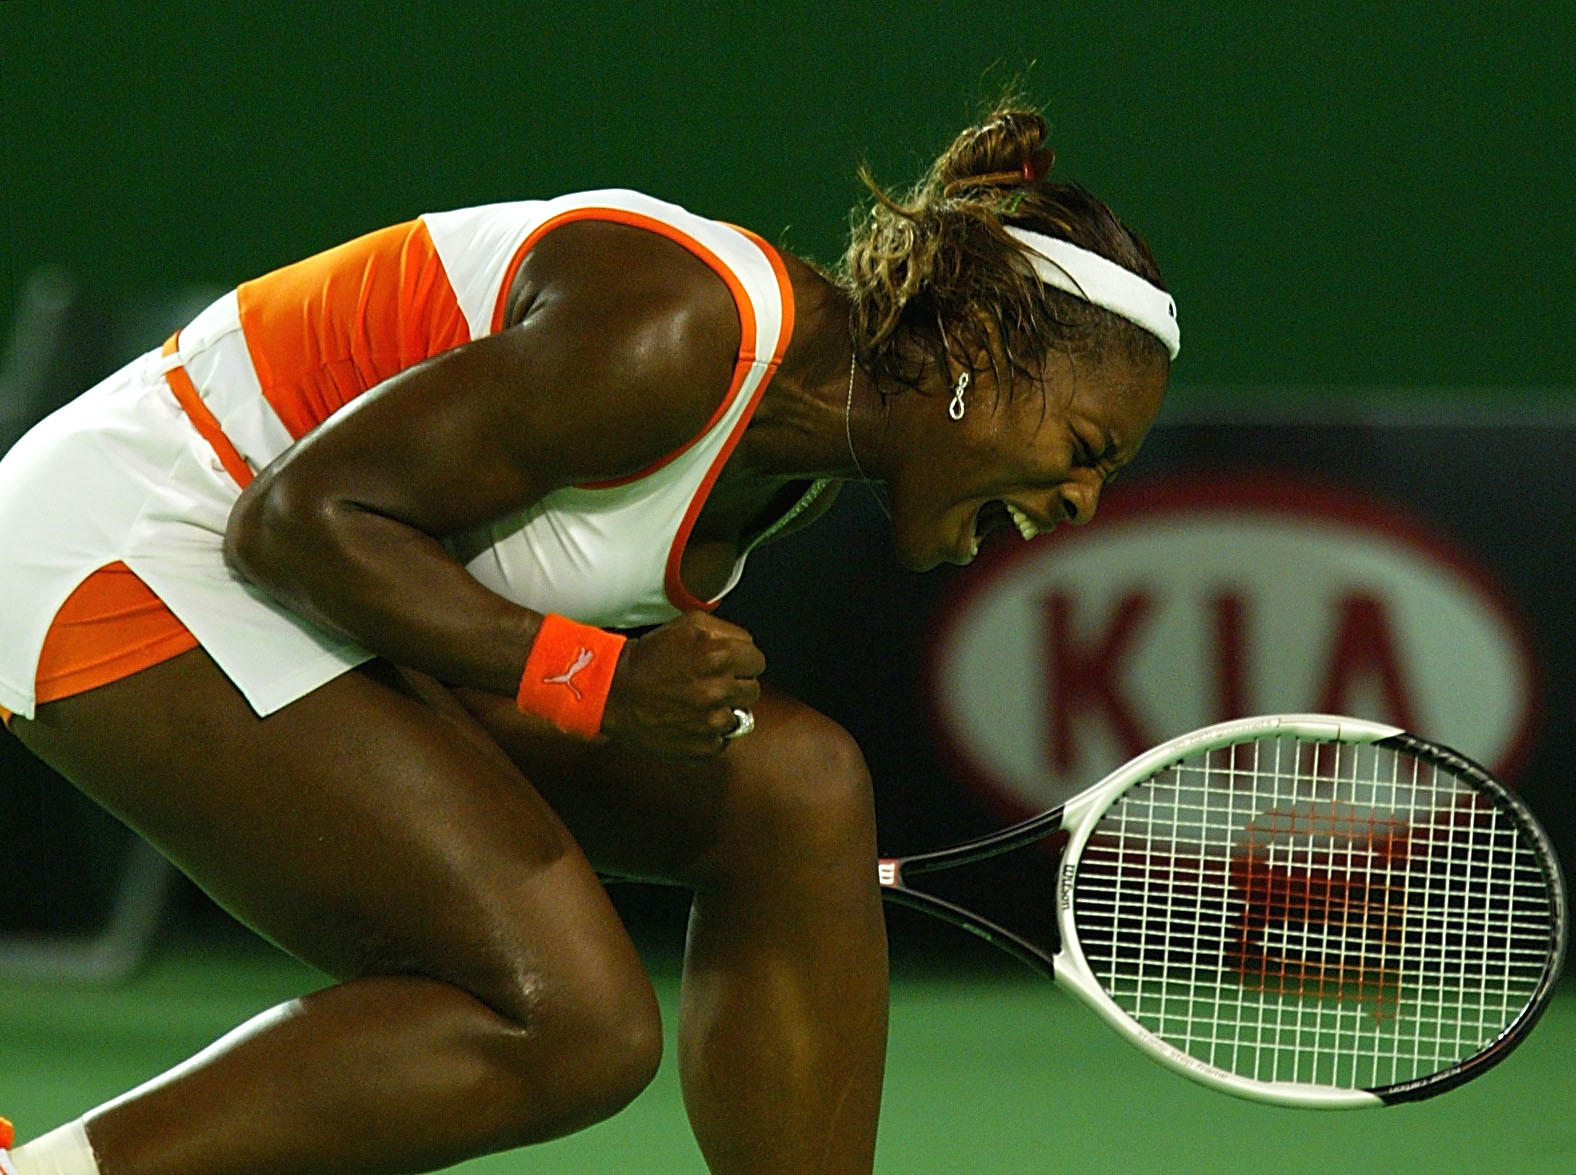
[996, 515]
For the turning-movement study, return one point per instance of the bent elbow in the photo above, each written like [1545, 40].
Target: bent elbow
[266, 523]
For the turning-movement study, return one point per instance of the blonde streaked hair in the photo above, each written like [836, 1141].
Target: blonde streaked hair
[932, 275]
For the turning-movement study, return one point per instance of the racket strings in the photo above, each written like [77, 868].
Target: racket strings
[1326, 914]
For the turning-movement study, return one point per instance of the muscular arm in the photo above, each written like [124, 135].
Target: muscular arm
[625, 345]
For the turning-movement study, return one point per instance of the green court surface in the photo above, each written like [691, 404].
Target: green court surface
[990, 1071]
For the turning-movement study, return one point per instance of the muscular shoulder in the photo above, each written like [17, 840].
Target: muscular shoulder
[635, 339]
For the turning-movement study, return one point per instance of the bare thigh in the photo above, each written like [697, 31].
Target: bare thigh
[697, 822]
[783, 1006]
[358, 828]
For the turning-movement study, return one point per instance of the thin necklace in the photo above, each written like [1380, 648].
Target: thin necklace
[848, 431]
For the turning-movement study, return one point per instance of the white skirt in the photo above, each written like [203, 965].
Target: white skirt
[120, 474]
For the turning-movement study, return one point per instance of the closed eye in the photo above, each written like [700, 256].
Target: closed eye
[1084, 454]
[1102, 463]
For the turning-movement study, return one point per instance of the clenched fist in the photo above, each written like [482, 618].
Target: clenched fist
[675, 689]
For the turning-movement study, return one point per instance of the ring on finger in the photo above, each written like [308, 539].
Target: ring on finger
[746, 724]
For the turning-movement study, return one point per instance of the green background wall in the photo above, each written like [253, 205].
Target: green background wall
[1352, 193]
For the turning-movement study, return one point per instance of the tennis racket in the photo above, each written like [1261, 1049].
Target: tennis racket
[1301, 909]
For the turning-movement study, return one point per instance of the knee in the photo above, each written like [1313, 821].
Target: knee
[611, 1044]
[580, 1045]
[559, 1026]
[803, 799]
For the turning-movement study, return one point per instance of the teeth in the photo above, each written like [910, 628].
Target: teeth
[1026, 526]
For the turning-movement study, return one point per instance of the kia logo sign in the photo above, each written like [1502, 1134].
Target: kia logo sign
[1187, 603]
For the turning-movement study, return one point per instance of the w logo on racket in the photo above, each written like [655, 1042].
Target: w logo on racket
[1325, 904]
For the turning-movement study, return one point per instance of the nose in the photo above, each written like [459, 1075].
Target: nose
[1081, 496]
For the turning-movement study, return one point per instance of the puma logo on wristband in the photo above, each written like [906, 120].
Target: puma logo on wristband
[580, 659]
[583, 657]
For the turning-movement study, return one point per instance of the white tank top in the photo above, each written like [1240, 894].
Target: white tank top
[131, 478]
[605, 554]
[608, 554]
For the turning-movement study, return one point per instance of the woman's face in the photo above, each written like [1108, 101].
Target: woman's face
[1020, 464]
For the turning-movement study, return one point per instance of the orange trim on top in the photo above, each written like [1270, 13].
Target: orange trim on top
[673, 581]
[748, 332]
[203, 419]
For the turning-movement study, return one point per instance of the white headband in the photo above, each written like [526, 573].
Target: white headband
[1103, 282]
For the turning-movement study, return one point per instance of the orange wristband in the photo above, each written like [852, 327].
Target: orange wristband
[568, 674]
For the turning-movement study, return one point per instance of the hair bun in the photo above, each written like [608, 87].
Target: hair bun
[1007, 149]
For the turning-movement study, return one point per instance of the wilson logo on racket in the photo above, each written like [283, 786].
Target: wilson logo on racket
[1064, 890]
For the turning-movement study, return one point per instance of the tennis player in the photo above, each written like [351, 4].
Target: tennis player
[380, 600]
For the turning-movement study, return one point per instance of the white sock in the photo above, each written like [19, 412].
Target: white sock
[63, 1151]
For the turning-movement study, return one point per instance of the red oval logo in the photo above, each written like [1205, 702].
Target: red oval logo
[1190, 602]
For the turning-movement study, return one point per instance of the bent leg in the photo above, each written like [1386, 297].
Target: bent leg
[782, 1032]
[488, 996]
